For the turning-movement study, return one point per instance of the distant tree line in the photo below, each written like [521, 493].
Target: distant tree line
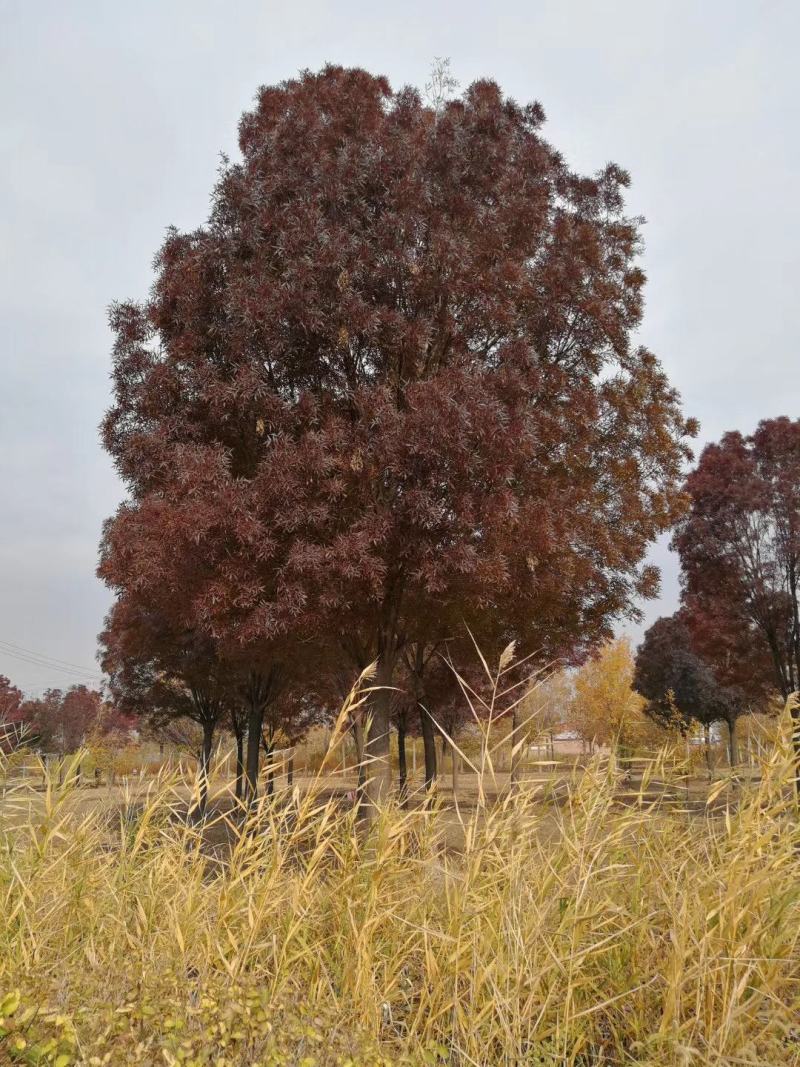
[60, 721]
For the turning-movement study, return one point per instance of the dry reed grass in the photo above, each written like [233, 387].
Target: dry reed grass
[634, 934]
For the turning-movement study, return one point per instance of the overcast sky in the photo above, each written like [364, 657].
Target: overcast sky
[113, 117]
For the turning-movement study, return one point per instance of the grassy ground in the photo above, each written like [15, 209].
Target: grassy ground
[591, 919]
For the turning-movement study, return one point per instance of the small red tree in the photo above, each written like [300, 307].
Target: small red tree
[680, 687]
[11, 700]
[11, 714]
[163, 672]
[42, 716]
[59, 721]
[187, 562]
[740, 556]
[80, 712]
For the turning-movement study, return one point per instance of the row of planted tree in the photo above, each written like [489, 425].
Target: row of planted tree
[383, 408]
[85, 738]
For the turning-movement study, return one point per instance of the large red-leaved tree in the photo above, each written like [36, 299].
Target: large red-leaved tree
[391, 381]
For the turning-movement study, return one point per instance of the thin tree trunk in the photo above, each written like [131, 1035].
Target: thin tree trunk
[240, 764]
[454, 771]
[204, 769]
[795, 600]
[290, 770]
[707, 736]
[269, 748]
[516, 750]
[401, 750]
[377, 755]
[428, 747]
[416, 664]
[255, 721]
[733, 755]
[361, 768]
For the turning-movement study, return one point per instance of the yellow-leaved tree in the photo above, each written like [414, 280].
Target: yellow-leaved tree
[605, 709]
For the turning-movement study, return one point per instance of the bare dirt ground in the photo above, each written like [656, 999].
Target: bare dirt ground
[23, 801]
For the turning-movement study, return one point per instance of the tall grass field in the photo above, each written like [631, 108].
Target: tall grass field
[598, 925]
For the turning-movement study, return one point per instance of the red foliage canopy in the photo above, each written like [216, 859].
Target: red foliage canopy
[61, 722]
[10, 701]
[740, 553]
[11, 714]
[391, 381]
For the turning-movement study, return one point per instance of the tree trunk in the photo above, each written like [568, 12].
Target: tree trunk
[358, 740]
[516, 749]
[203, 770]
[795, 601]
[454, 771]
[269, 748]
[290, 770]
[255, 720]
[428, 746]
[377, 755]
[239, 764]
[707, 736]
[733, 755]
[401, 751]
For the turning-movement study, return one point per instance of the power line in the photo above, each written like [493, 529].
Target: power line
[85, 675]
[40, 662]
[43, 655]
[37, 659]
